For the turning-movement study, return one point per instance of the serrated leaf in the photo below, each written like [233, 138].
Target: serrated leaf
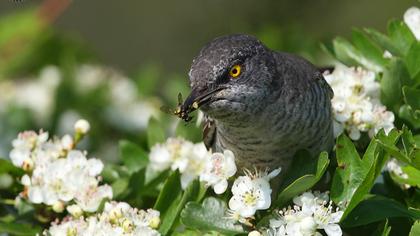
[369, 49]
[410, 152]
[354, 177]
[302, 175]
[406, 113]
[208, 216]
[412, 98]
[377, 208]
[351, 56]
[155, 132]
[391, 83]
[415, 229]
[412, 60]
[133, 156]
[384, 41]
[401, 35]
[19, 229]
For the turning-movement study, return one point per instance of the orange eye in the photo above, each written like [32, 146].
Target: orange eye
[235, 71]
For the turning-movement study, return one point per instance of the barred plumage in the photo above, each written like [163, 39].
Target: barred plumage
[278, 105]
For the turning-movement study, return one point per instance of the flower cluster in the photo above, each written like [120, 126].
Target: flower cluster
[251, 192]
[178, 154]
[58, 175]
[118, 219]
[311, 212]
[356, 104]
[412, 19]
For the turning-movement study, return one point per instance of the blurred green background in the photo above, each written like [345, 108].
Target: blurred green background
[116, 62]
[130, 33]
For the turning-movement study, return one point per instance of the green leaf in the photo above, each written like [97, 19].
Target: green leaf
[391, 83]
[384, 41]
[173, 209]
[377, 208]
[19, 229]
[415, 229]
[412, 60]
[401, 35]
[171, 216]
[119, 187]
[383, 229]
[349, 55]
[133, 156]
[303, 174]
[170, 196]
[369, 49]
[7, 167]
[354, 177]
[171, 190]
[155, 132]
[406, 113]
[208, 216]
[412, 98]
[410, 153]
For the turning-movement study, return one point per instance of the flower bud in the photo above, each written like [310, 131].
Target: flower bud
[75, 210]
[58, 206]
[82, 126]
[254, 233]
[28, 164]
[67, 142]
[154, 222]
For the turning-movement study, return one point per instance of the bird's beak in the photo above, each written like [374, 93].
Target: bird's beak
[198, 97]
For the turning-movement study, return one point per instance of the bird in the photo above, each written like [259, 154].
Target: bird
[261, 104]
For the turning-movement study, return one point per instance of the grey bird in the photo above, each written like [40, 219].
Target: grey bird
[260, 104]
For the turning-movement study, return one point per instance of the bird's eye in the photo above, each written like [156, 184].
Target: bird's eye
[235, 71]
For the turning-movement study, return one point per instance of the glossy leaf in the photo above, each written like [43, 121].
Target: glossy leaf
[208, 216]
[415, 229]
[354, 177]
[170, 215]
[383, 229]
[412, 59]
[391, 93]
[351, 56]
[303, 174]
[412, 98]
[384, 41]
[401, 35]
[377, 208]
[368, 48]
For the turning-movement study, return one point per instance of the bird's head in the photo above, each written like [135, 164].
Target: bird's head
[230, 75]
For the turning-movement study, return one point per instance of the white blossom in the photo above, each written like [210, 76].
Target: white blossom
[311, 212]
[221, 167]
[412, 19]
[251, 192]
[356, 103]
[118, 218]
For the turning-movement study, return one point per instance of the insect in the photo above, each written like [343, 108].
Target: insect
[181, 110]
